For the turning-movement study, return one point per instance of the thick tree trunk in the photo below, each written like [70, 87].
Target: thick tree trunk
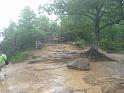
[97, 25]
[96, 55]
[97, 41]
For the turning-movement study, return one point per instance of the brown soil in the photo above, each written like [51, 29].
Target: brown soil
[51, 74]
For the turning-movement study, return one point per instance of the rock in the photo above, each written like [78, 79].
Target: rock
[34, 61]
[81, 64]
[63, 91]
[116, 86]
[62, 55]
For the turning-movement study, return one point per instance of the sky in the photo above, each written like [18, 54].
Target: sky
[10, 9]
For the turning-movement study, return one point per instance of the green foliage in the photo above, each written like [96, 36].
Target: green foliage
[113, 46]
[23, 34]
[112, 38]
[86, 19]
[78, 26]
[19, 57]
[80, 43]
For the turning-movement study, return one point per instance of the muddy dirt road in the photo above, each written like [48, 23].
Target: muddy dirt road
[50, 74]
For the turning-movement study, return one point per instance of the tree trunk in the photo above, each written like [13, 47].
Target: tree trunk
[97, 26]
[96, 55]
[97, 41]
[94, 52]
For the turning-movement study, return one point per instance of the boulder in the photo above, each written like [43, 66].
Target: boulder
[81, 64]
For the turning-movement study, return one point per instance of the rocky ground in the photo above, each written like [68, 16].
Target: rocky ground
[46, 72]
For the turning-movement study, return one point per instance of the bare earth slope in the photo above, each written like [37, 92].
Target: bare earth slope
[50, 74]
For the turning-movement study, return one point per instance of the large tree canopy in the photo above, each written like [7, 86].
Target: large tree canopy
[96, 23]
[24, 33]
[103, 13]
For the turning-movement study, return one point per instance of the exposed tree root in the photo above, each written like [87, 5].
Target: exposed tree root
[95, 54]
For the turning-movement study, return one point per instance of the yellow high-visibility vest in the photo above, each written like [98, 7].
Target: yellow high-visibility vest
[3, 59]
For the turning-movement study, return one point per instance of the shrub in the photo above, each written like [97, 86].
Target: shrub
[80, 43]
[112, 46]
[19, 57]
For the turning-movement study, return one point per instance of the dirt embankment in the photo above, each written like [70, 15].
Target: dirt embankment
[47, 73]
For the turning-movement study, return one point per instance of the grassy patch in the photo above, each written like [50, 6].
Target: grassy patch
[20, 57]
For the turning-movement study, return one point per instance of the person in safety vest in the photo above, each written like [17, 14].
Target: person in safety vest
[3, 63]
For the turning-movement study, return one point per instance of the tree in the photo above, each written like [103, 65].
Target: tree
[101, 12]
[77, 27]
[10, 41]
[96, 10]
[23, 34]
